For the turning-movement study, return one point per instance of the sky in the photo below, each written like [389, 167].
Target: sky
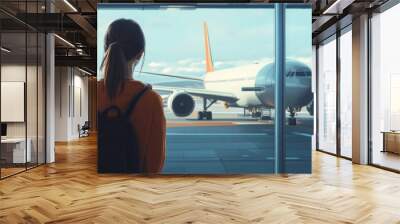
[238, 36]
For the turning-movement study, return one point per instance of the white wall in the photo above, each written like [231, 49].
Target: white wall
[81, 104]
[71, 102]
[61, 103]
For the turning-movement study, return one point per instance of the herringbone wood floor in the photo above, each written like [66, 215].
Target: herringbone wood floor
[70, 191]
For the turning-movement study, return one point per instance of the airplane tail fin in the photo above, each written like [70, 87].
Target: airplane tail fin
[209, 61]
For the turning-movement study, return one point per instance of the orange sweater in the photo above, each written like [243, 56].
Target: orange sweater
[148, 120]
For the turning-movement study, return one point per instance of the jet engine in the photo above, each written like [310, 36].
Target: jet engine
[181, 103]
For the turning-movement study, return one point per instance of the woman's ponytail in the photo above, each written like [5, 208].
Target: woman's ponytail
[115, 69]
[123, 42]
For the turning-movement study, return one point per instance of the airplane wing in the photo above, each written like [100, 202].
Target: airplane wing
[212, 95]
[203, 93]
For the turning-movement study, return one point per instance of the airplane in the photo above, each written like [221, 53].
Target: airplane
[250, 86]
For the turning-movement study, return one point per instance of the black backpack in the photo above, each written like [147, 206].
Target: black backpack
[118, 148]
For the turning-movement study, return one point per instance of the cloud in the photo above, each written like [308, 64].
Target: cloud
[156, 64]
[167, 70]
[185, 67]
[237, 63]
[191, 62]
[185, 61]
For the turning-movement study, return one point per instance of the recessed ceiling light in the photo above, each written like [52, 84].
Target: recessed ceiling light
[337, 7]
[84, 71]
[70, 5]
[5, 50]
[64, 40]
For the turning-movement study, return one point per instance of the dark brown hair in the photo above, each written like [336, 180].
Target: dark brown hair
[123, 42]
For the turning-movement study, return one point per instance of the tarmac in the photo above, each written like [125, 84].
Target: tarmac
[232, 143]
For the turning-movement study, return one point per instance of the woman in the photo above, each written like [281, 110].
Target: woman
[124, 46]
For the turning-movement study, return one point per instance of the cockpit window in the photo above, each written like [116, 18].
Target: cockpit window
[303, 73]
[298, 73]
[290, 73]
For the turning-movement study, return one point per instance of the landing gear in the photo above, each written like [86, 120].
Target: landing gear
[292, 119]
[268, 116]
[256, 112]
[206, 114]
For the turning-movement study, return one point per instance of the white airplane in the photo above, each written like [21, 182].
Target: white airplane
[250, 86]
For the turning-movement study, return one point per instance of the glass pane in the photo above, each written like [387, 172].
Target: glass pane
[32, 94]
[298, 90]
[32, 98]
[385, 114]
[22, 89]
[327, 96]
[13, 86]
[41, 79]
[232, 51]
[346, 94]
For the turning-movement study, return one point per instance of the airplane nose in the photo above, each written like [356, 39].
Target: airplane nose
[264, 76]
[264, 80]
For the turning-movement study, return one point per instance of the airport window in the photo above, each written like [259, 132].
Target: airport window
[218, 94]
[22, 92]
[327, 96]
[385, 89]
[221, 138]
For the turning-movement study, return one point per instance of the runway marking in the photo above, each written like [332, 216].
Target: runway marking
[287, 158]
[174, 124]
[250, 123]
[219, 134]
[223, 112]
[292, 158]
[302, 134]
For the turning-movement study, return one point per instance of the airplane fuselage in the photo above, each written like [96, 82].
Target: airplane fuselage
[254, 84]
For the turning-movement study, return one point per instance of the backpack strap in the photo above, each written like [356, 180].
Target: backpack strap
[112, 108]
[135, 100]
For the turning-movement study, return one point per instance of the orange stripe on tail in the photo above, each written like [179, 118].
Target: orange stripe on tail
[209, 62]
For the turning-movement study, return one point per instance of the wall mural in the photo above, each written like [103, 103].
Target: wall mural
[190, 89]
